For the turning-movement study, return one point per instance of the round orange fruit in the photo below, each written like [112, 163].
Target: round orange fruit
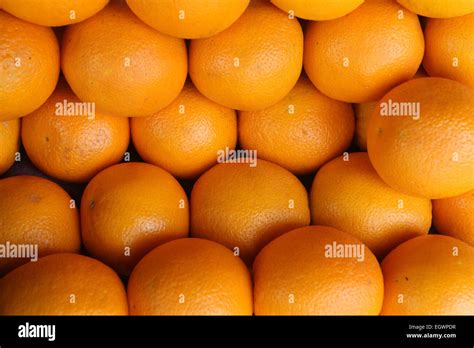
[359, 57]
[421, 136]
[63, 284]
[301, 132]
[30, 66]
[454, 216]
[130, 208]
[67, 139]
[38, 217]
[243, 207]
[184, 137]
[450, 48]
[9, 143]
[347, 194]
[251, 65]
[364, 111]
[318, 10]
[121, 64]
[317, 270]
[439, 8]
[53, 13]
[189, 19]
[429, 275]
[190, 276]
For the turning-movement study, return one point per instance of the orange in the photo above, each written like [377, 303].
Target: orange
[454, 216]
[130, 208]
[301, 132]
[317, 270]
[189, 19]
[251, 65]
[9, 143]
[36, 212]
[359, 57]
[53, 13]
[68, 140]
[429, 275]
[450, 48]
[184, 137]
[318, 10]
[427, 152]
[350, 196]
[121, 64]
[364, 111]
[63, 284]
[244, 207]
[439, 8]
[30, 66]
[190, 276]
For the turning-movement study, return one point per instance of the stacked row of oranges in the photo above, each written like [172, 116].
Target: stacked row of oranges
[246, 123]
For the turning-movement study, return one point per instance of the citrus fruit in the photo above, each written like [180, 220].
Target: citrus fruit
[184, 137]
[130, 208]
[454, 216]
[121, 64]
[63, 284]
[303, 273]
[190, 276]
[189, 19]
[364, 111]
[450, 48]
[429, 275]
[427, 149]
[35, 212]
[67, 139]
[251, 65]
[318, 10]
[30, 66]
[359, 57]
[9, 143]
[53, 13]
[301, 132]
[244, 207]
[439, 8]
[350, 196]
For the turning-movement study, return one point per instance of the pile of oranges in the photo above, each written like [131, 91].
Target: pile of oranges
[238, 157]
